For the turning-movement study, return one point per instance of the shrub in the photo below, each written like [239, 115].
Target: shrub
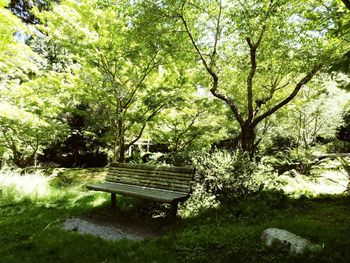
[298, 160]
[280, 143]
[345, 165]
[226, 175]
[338, 146]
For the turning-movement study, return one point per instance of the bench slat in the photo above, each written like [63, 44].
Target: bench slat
[154, 180]
[139, 191]
[153, 184]
[180, 176]
[185, 170]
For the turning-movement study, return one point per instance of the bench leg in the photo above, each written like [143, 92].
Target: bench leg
[113, 201]
[174, 206]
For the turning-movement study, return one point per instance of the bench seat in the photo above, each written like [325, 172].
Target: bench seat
[144, 192]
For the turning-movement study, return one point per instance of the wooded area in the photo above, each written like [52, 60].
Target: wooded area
[94, 78]
[254, 95]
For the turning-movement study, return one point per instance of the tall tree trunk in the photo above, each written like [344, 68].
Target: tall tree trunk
[119, 145]
[248, 139]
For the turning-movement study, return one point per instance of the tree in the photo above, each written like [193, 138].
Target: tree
[258, 56]
[315, 113]
[190, 125]
[29, 105]
[121, 76]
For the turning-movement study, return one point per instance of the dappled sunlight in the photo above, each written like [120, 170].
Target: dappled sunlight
[328, 182]
[35, 185]
[98, 200]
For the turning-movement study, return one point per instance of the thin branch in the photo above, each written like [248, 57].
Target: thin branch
[195, 136]
[230, 103]
[202, 10]
[205, 63]
[159, 107]
[214, 76]
[297, 88]
[149, 68]
[217, 36]
[192, 123]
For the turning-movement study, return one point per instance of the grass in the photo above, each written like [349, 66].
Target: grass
[31, 225]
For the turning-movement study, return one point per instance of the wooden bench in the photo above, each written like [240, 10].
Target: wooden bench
[158, 183]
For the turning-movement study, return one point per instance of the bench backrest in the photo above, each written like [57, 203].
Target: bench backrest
[177, 179]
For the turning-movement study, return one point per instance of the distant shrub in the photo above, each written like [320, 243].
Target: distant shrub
[338, 146]
[226, 175]
[345, 165]
[280, 143]
[298, 159]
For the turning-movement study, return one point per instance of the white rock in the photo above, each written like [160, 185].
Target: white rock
[280, 238]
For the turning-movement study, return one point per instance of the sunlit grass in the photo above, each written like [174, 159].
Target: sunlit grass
[327, 182]
[26, 185]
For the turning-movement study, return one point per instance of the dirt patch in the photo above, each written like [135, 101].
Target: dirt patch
[111, 226]
[107, 232]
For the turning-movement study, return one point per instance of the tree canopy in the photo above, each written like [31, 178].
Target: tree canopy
[186, 73]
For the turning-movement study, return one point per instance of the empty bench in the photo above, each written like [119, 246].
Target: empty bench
[157, 183]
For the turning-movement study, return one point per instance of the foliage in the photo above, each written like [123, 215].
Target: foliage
[188, 127]
[278, 143]
[83, 145]
[298, 160]
[227, 175]
[345, 165]
[338, 146]
[32, 97]
[29, 117]
[17, 60]
[343, 131]
[314, 117]
[243, 55]
[122, 77]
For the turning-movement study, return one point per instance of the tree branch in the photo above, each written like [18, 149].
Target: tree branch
[213, 75]
[159, 107]
[346, 3]
[229, 102]
[149, 68]
[217, 35]
[297, 88]
[252, 53]
[253, 64]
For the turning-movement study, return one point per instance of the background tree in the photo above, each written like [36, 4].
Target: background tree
[257, 56]
[314, 115]
[30, 100]
[120, 74]
[191, 125]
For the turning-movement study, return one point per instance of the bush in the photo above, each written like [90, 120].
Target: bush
[280, 143]
[338, 146]
[345, 165]
[299, 160]
[226, 175]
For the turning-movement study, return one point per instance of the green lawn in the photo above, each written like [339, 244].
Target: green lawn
[31, 218]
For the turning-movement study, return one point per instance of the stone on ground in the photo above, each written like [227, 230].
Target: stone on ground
[280, 238]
